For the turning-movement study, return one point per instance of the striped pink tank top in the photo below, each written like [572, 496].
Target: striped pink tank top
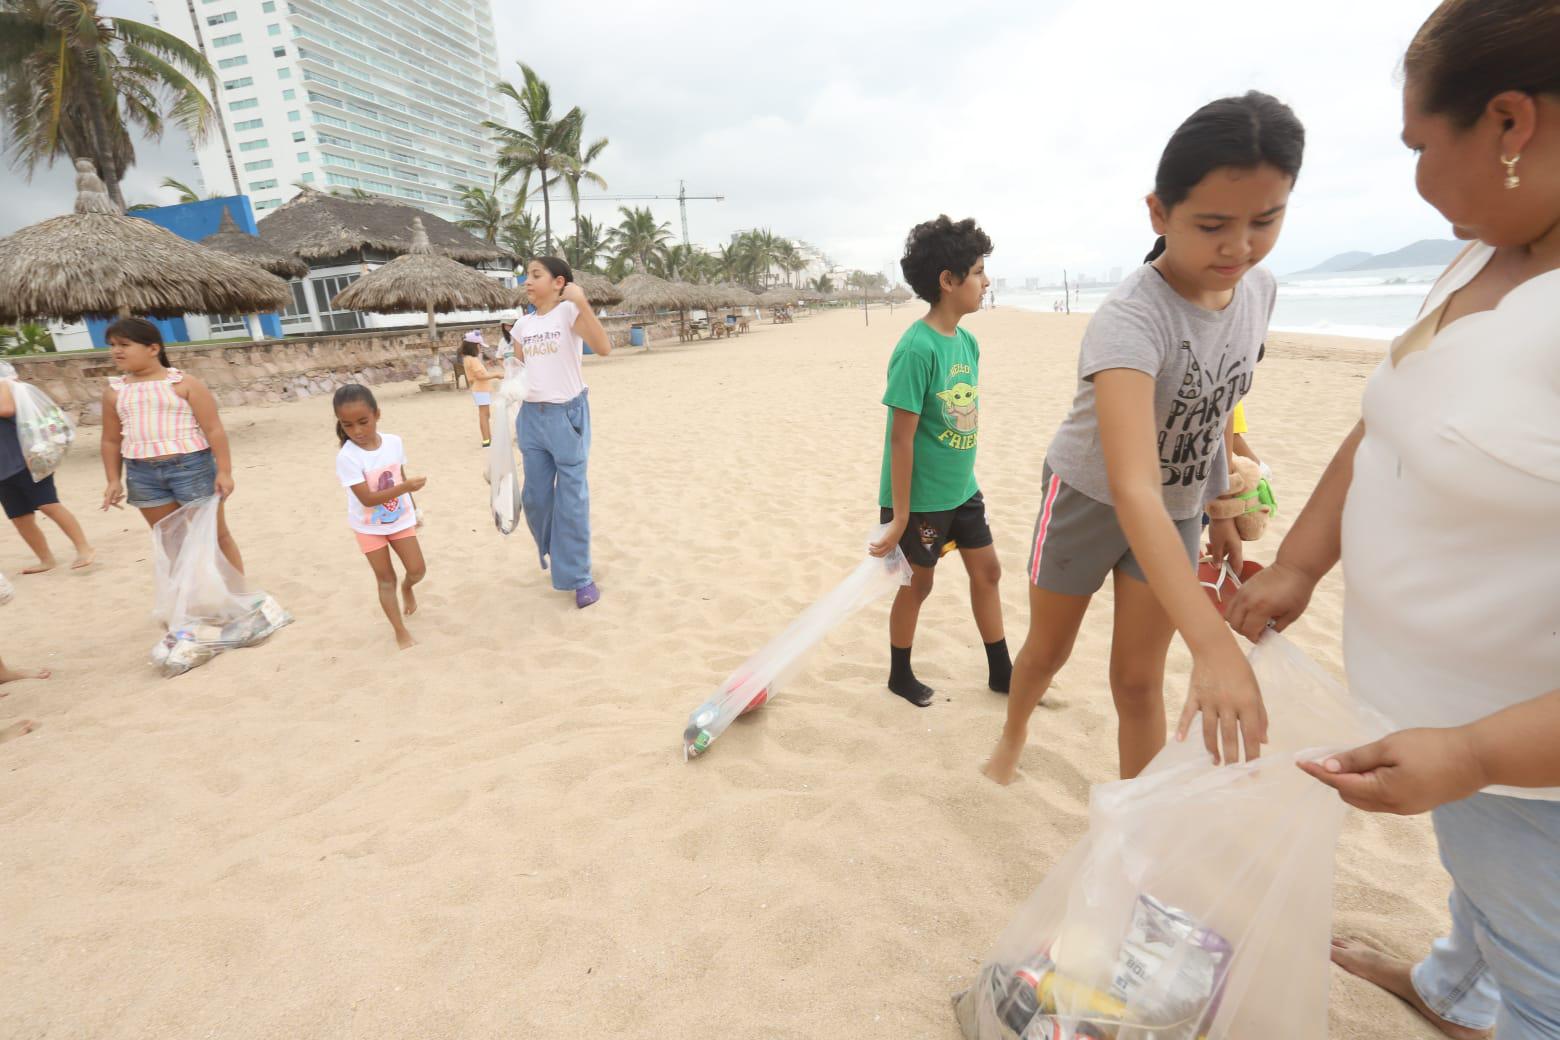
[156, 420]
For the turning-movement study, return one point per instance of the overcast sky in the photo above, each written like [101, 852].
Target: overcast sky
[842, 124]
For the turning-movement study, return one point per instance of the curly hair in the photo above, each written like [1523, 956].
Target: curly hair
[941, 245]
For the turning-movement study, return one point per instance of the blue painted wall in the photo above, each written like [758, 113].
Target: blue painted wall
[194, 221]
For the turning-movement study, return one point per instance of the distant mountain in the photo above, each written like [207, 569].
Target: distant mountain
[1341, 262]
[1427, 252]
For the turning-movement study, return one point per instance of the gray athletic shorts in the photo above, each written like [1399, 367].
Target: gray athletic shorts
[1078, 543]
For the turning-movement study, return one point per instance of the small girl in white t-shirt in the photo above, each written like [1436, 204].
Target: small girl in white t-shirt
[554, 423]
[372, 467]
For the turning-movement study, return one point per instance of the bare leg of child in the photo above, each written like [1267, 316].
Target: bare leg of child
[901, 637]
[986, 602]
[412, 562]
[226, 541]
[72, 529]
[484, 421]
[1054, 620]
[1395, 976]
[384, 578]
[32, 534]
[1139, 643]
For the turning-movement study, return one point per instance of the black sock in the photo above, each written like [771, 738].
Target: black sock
[902, 680]
[1000, 664]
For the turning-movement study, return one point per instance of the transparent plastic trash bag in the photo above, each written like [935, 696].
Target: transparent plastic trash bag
[756, 679]
[206, 604]
[503, 475]
[1199, 904]
[42, 427]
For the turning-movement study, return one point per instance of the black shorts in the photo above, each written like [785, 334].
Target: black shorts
[929, 537]
[21, 496]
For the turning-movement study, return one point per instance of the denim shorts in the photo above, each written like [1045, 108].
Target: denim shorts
[179, 478]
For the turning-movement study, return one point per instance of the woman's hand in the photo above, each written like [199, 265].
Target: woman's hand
[113, 495]
[1279, 595]
[1225, 691]
[1408, 772]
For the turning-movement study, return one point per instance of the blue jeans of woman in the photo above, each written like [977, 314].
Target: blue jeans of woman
[1500, 966]
[555, 449]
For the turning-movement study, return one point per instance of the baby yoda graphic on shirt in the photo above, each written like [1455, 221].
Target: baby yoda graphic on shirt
[961, 409]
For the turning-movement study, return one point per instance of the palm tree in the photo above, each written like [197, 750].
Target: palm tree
[639, 238]
[485, 211]
[541, 145]
[73, 82]
[27, 338]
[575, 167]
[186, 193]
[522, 235]
[589, 245]
[822, 284]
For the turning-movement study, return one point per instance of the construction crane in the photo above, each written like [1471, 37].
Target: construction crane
[682, 198]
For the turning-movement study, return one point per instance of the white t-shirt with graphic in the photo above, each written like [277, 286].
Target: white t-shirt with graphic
[381, 469]
[553, 354]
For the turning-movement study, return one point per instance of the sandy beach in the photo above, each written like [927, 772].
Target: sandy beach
[494, 834]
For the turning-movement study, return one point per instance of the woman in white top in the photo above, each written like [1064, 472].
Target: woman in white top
[553, 427]
[1444, 506]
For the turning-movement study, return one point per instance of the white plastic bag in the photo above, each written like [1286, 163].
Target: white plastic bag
[44, 430]
[7, 590]
[503, 475]
[752, 684]
[205, 603]
[1199, 904]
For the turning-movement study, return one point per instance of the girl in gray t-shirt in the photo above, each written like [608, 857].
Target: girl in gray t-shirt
[1161, 367]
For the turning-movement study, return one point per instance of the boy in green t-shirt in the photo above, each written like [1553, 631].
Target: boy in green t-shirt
[928, 495]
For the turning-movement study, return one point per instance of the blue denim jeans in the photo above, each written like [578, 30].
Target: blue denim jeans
[177, 478]
[1500, 966]
[555, 448]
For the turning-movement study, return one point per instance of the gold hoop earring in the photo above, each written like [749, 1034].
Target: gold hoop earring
[1512, 180]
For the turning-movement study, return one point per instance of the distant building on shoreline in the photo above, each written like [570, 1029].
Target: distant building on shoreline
[376, 95]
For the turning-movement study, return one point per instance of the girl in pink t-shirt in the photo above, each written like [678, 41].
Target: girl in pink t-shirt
[554, 423]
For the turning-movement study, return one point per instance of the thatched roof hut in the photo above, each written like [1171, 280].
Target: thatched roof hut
[646, 292]
[234, 241]
[424, 280]
[598, 289]
[733, 295]
[900, 294]
[322, 228]
[97, 260]
[782, 297]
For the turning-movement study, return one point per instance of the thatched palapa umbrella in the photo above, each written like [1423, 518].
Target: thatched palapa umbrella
[598, 289]
[422, 279]
[97, 260]
[645, 293]
[234, 241]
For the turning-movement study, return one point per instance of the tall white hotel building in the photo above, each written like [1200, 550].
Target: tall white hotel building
[383, 95]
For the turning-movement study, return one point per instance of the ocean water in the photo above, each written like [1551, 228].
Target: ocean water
[1368, 304]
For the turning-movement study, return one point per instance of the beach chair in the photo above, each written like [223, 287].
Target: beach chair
[742, 324]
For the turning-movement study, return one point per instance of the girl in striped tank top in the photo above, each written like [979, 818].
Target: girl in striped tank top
[162, 426]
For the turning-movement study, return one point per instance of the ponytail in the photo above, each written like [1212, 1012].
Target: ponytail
[1153, 254]
[139, 330]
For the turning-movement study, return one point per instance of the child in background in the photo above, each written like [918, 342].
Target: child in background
[553, 427]
[927, 494]
[161, 426]
[482, 382]
[1163, 362]
[372, 467]
[22, 497]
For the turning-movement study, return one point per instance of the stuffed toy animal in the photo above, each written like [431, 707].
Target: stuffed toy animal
[1249, 500]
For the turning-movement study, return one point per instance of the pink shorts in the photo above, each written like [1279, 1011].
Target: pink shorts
[374, 542]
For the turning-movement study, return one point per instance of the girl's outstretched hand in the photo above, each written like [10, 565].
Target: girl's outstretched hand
[1225, 691]
[1408, 772]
